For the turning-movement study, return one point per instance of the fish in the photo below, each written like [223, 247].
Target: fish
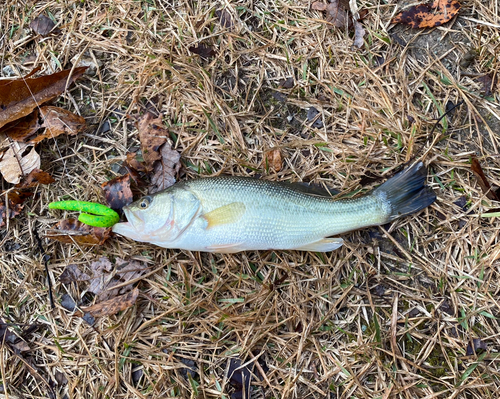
[228, 214]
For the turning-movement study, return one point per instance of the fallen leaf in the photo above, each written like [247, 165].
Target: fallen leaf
[476, 347]
[287, 83]
[482, 180]
[23, 129]
[104, 279]
[336, 14]
[428, 15]
[19, 97]
[36, 176]
[43, 25]
[273, 159]
[59, 121]
[203, 51]
[224, 18]
[18, 160]
[165, 169]
[73, 274]
[240, 378]
[117, 192]
[311, 116]
[71, 231]
[488, 83]
[68, 303]
[152, 136]
[133, 163]
[135, 168]
[5, 334]
[113, 305]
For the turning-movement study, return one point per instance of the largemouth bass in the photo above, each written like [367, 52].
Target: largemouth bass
[231, 214]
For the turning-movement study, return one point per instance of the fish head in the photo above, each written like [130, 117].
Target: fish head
[158, 218]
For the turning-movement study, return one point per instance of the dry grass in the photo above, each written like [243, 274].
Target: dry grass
[389, 315]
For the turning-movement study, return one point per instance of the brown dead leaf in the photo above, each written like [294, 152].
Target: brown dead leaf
[203, 51]
[482, 180]
[428, 15]
[113, 305]
[8, 212]
[73, 274]
[46, 122]
[117, 192]
[19, 97]
[152, 136]
[165, 169]
[488, 83]
[18, 160]
[43, 25]
[336, 14]
[106, 276]
[23, 129]
[71, 231]
[225, 18]
[273, 159]
[36, 176]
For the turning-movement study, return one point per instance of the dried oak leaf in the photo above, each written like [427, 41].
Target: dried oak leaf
[18, 97]
[152, 136]
[488, 83]
[106, 276]
[9, 212]
[203, 51]
[117, 192]
[475, 347]
[73, 274]
[165, 169]
[273, 159]
[18, 160]
[482, 180]
[225, 18]
[428, 15]
[336, 14]
[46, 122]
[36, 176]
[71, 231]
[43, 25]
[113, 305]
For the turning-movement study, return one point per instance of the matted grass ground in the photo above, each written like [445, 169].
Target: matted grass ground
[389, 315]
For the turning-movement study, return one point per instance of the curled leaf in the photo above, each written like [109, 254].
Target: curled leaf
[19, 97]
[113, 305]
[117, 192]
[71, 231]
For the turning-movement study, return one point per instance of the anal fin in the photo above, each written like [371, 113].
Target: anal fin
[226, 248]
[324, 245]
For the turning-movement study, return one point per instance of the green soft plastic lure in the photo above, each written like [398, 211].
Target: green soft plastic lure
[102, 216]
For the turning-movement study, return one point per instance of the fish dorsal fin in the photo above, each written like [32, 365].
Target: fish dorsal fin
[226, 214]
[312, 189]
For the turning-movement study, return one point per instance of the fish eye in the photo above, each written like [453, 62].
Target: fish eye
[145, 202]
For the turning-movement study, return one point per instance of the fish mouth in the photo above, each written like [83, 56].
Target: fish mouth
[132, 228]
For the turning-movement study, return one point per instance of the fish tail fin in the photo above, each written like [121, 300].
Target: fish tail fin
[406, 193]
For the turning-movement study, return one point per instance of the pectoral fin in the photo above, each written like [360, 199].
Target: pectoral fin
[225, 214]
[324, 245]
